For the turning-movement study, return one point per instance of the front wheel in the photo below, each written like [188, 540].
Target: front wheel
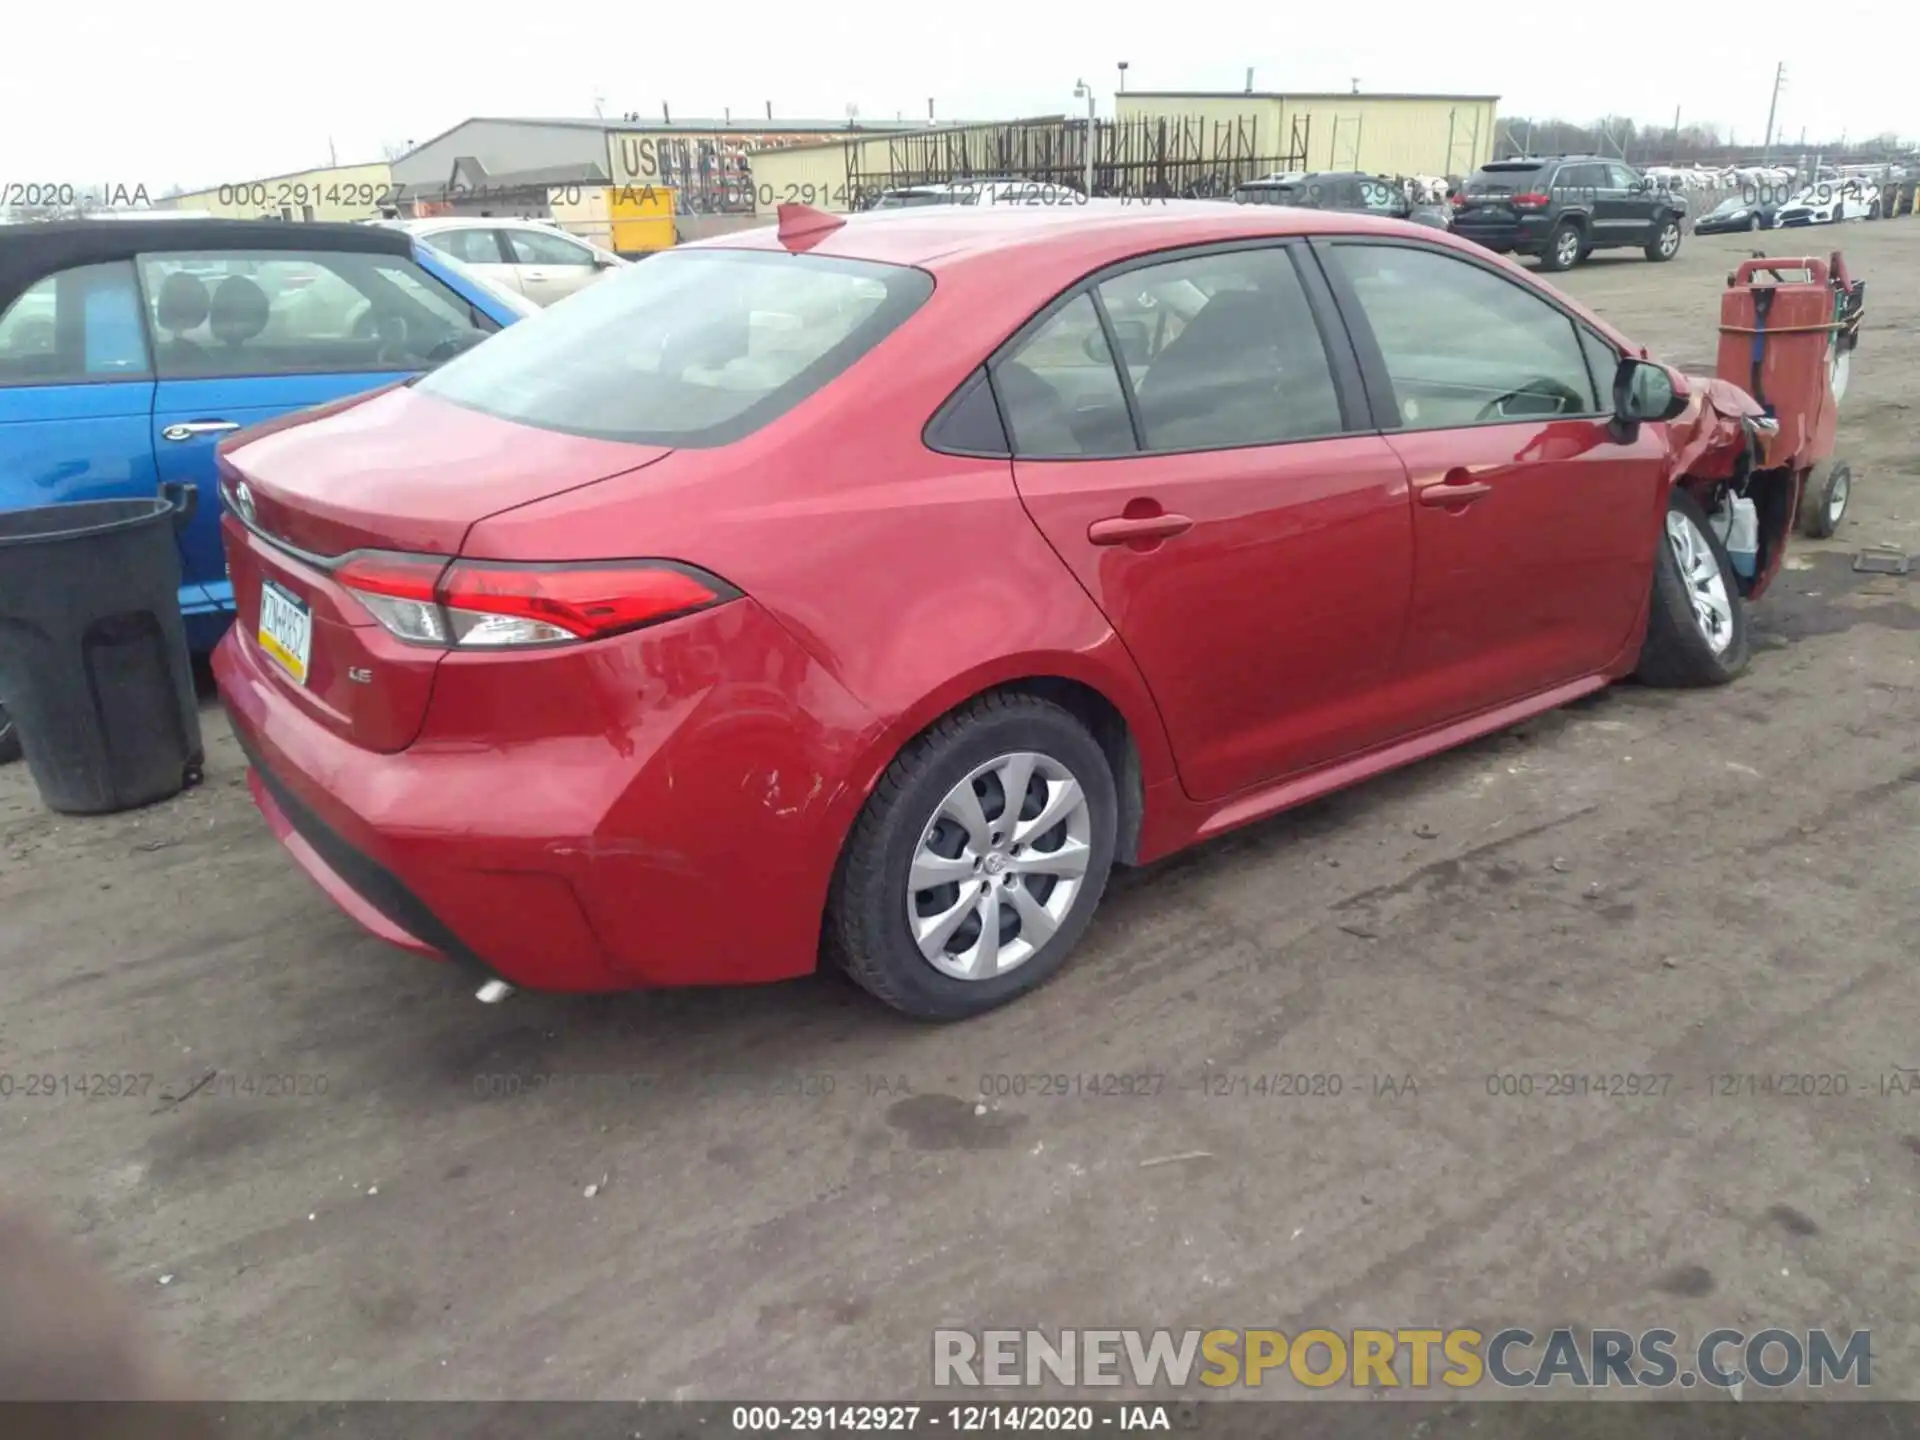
[978, 861]
[9, 738]
[1697, 622]
[1666, 241]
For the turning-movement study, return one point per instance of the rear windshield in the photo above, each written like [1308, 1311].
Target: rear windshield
[1269, 195]
[688, 348]
[1501, 179]
[905, 199]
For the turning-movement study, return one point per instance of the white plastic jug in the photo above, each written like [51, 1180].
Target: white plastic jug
[1738, 527]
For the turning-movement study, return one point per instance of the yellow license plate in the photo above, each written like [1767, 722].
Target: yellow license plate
[286, 629]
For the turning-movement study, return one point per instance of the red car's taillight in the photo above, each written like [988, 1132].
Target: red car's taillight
[482, 604]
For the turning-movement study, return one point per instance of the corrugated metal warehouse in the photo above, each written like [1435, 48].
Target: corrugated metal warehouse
[1159, 142]
[1382, 134]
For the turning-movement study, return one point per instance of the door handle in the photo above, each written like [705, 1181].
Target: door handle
[1121, 529]
[1458, 488]
[192, 428]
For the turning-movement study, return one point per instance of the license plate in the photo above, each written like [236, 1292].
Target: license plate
[286, 629]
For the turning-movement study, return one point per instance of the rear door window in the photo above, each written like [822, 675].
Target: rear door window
[474, 246]
[1245, 367]
[694, 348]
[298, 312]
[78, 326]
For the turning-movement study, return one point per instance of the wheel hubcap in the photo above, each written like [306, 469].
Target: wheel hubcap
[1569, 248]
[1669, 240]
[1706, 586]
[1000, 866]
[1837, 498]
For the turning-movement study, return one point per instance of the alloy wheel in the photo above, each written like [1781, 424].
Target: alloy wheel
[1837, 498]
[1000, 866]
[1706, 586]
[1669, 239]
[1567, 249]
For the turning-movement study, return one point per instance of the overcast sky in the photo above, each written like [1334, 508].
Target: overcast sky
[220, 90]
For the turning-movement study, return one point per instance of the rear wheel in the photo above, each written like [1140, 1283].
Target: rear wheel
[9, 738]
[1697, 623]
[1562, 250]
[1824, 503]
[978, 861]
[1666, 241]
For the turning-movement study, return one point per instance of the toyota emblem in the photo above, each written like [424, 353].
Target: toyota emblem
[243, 501]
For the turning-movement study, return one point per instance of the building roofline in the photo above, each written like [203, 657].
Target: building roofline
[269, 179]
[1298, 95]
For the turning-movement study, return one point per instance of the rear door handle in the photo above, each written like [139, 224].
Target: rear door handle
[1458, 488]
[1120, 529]
[192, 428]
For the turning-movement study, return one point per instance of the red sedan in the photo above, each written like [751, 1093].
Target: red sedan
[868, 589]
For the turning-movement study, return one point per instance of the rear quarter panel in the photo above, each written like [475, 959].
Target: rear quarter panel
[915, 579]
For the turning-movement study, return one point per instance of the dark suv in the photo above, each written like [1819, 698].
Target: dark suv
[1563, 207]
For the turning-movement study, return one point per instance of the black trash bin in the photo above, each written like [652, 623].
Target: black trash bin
[93, 657]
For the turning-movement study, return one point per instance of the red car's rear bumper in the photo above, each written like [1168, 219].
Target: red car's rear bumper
[662, 808]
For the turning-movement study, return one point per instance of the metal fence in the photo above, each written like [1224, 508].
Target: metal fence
[1167, 157]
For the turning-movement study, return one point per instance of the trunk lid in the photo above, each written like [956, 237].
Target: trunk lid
[395, 471]
[399, 470]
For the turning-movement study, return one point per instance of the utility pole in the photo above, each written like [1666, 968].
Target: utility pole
[1773, 107]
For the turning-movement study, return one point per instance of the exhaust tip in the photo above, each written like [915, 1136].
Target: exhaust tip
[493, 992]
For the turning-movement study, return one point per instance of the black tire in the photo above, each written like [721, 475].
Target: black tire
[1665, 243]
[9, 738]
[1873, 211]
[1820, 516]
[866, 928]
[1676, 652]
[1557, 255]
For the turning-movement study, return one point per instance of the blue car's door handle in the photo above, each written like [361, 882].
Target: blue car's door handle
[193, 428]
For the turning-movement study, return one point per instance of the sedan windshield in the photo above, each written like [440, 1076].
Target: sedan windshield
[692, 348]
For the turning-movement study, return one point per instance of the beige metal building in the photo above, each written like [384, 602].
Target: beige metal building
[1384, 134]
[338, 192]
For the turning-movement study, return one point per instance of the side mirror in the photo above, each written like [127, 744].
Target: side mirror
[1644, 391]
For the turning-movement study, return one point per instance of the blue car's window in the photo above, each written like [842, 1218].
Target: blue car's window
[295, 312]
[76, 326]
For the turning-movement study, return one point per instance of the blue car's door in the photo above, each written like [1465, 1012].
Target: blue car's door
[240, 337]
[76, 390]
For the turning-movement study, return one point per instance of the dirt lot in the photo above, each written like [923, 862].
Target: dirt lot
[795, 1187]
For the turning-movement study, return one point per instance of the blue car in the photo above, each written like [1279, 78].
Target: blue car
[129, 348]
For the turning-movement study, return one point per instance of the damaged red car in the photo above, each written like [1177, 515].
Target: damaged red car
[864, 590]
